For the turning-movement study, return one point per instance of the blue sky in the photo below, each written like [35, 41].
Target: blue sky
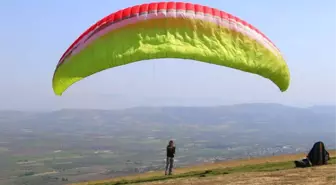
[35, 33]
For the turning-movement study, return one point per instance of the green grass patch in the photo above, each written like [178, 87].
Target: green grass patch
[266, 167]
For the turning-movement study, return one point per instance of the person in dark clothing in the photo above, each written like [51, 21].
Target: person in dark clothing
[318, 155]
[170, 157]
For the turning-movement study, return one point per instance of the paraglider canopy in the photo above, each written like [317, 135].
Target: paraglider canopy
[171, 30]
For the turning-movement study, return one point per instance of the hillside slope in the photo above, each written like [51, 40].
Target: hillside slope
[273, 170]
[324, 175]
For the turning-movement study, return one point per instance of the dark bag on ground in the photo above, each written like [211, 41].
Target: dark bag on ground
[302, 163]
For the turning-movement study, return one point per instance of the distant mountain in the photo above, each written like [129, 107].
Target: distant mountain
[270, 117]
[326, 109]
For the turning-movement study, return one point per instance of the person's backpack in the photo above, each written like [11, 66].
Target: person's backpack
[318, 155]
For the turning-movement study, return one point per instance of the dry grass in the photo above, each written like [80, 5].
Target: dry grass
[244, 178]
[312, 176]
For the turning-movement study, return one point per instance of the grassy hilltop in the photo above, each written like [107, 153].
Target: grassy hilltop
[275, 169]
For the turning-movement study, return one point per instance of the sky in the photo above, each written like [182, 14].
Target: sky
[35, 34]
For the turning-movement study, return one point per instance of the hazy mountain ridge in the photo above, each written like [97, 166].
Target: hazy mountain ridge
[244, 116]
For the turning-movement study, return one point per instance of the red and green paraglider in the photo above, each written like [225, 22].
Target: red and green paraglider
[171, 30]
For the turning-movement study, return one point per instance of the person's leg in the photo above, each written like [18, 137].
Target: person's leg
[171, 165]
[167, 165]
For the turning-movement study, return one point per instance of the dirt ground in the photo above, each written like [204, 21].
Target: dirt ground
[242, 162]
[294, 176]
[310, 176]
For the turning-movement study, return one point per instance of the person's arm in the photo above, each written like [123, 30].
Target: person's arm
[174, 150]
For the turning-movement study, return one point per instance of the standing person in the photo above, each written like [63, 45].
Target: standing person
[170, 157]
